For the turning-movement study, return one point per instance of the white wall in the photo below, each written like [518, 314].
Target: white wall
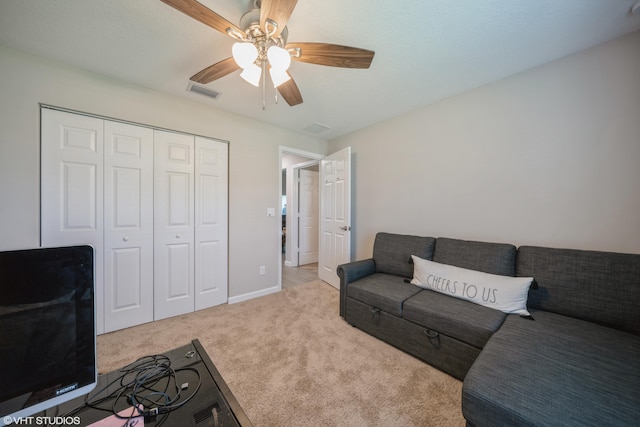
[254, 172]
[548, 157]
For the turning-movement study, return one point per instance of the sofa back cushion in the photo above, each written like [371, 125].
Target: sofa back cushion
[392, 252]
[601, 287]
[492, 258]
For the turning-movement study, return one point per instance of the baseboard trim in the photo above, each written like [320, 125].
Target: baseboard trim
[252, 295]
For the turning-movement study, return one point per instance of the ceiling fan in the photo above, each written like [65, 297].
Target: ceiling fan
[261, 46]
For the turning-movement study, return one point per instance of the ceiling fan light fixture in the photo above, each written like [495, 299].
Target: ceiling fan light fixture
[278, 76]
[261, 44]
[251, 74]
[279, 58]
[245, 54]
[234, 33]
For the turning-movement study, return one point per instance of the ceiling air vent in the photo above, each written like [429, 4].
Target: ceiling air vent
[203, 91]
[316, 128]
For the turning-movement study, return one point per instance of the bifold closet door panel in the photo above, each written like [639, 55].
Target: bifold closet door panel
[173, 224]
[71, 188]
[128, 225]
[211, 219]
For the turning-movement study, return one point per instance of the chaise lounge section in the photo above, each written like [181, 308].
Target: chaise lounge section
[574, 361]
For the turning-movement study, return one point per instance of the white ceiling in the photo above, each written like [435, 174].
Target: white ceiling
[426, 50]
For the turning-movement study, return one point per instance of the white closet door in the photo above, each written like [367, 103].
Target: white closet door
[128, 225]
[157, 218]
[71, 187]
[173, 224]
[211, 189]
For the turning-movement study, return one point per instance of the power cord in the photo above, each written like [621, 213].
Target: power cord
[149, 384]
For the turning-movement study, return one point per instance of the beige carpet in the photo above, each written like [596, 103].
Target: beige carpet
[291, 360]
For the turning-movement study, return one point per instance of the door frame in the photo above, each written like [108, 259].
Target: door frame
[282, 150]
[293, 232]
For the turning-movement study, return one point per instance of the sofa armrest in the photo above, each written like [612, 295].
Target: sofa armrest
[351, 272]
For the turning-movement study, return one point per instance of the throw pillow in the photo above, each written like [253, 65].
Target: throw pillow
[505, 293]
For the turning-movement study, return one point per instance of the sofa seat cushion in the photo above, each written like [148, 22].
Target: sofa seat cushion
[445, 353]
[468, 322]
[384, 291]
[554, 370]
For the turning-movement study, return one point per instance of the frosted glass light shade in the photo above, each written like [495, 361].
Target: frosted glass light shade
[252, 74]
[279, 58]
[244, 54]
[278, 76]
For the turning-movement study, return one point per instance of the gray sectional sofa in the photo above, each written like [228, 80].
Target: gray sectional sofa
[574, 361]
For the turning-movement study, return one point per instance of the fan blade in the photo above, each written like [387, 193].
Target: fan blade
[203, 14]
[290, 92]
[332, 55]
[216, 71]
[278, 11]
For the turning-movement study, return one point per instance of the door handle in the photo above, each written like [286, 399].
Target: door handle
[345, 228]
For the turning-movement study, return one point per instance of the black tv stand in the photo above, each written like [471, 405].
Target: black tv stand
[212, 405]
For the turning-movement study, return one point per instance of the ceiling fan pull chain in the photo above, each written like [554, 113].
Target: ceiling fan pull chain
[264, 85]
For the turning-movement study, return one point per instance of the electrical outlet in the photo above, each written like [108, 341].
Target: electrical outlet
[263, 270]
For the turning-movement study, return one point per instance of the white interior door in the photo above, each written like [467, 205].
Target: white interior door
[128, 225]
[335, 214]
[308, 217]
[211, 190]
[173, 224]
[72, 187]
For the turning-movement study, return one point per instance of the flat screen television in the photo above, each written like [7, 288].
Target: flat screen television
[47, 329]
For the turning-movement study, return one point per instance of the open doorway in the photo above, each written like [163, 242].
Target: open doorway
[300, 216]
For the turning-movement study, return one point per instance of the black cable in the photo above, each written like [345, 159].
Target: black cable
[149, 384]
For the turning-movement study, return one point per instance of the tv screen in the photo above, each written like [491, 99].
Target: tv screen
[47, 329]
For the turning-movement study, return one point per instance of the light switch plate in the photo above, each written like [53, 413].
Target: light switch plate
[271, 211]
